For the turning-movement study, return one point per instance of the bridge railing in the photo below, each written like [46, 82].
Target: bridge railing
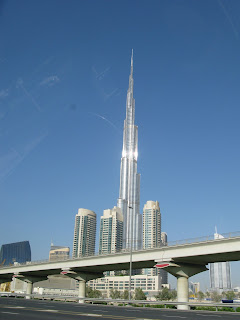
[204, 239]
[169, 244]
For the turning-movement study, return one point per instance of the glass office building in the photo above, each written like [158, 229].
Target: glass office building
[220, 273]
[15, 252]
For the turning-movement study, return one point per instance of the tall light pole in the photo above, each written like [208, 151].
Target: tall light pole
[130, 266]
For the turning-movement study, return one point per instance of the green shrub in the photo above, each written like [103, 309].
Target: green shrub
[206, 308]
[137, 305]
[155, 305]
[99, 302]
[238, 309]
[226, 309]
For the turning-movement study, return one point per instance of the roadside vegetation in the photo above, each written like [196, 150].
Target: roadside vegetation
[169, 295]
[164, 295]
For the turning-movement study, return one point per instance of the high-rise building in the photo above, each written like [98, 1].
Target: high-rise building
[57, 253]
[151, 230]
[129, 191]
[152, 236]
[15, 252]
[111, 228]
[220, 273]
[84, 233]
[163, 273]
[194, 287]
[164, 238]
[151, 225]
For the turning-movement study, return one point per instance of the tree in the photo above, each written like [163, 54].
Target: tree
[200, 295]
[164, 294]
[230, 295]
[173, 294]
[139, 294]
[115, 294]
[90, 293]
[125, 295]
[5, 287]
[215, 296]
[208, 294]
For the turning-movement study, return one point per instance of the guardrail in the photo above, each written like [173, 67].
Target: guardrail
[106, 301]
[169, 244]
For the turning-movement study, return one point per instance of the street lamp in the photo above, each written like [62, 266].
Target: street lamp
[130, 267]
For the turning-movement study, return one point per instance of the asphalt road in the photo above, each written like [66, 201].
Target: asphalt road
[22, 309]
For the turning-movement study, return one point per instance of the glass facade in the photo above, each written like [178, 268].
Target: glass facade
[15, 252]
[220, 273]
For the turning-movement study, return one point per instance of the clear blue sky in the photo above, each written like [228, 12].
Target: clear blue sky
[64, 68]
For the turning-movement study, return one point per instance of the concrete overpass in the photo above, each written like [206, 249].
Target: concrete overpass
[182, 261]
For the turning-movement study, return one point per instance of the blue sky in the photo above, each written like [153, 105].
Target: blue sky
[63, 82]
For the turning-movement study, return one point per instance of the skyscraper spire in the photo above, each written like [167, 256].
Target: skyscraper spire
[132, 63]
[129, 191]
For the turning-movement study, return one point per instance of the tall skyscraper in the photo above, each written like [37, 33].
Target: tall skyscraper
[84, 233]
[111, 228]
[129, 191]
[220, 274]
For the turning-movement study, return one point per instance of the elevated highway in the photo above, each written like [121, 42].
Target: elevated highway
[181, 260]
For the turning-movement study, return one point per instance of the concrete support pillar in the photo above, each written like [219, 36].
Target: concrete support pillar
[182, 292]
[182, 271]
[82, 291]
[29, 281]
[29, 290]
[82, 278]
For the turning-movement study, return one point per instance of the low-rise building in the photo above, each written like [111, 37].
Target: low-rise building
[149, 284]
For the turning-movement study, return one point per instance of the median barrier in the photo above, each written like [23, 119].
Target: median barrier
[120, 302]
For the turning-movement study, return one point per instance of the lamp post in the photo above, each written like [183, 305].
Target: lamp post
[130, 264]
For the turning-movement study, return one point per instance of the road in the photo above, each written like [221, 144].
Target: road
[22, 309]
